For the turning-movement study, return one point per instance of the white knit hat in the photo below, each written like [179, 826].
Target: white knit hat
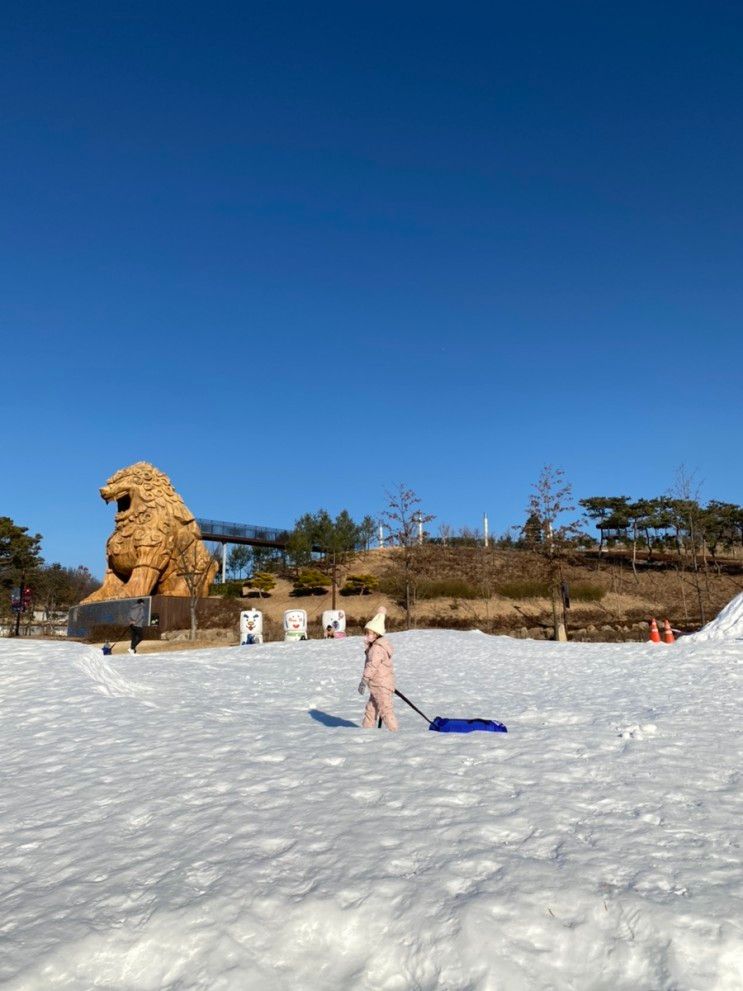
[376, 623]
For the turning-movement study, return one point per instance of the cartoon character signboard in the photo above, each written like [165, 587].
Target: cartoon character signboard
[251, 626]
[336, 620]
[295, 624]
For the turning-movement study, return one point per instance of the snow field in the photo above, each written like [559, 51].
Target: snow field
[215, 820]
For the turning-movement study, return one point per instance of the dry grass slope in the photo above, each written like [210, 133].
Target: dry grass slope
[504, 591]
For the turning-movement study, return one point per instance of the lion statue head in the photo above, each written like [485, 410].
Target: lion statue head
[156, 547]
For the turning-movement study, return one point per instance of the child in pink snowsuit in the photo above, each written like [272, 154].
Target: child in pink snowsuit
[379, 675]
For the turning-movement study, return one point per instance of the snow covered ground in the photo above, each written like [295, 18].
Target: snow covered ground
[727, 625]
[217, 820]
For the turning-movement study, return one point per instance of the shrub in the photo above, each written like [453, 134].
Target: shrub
[584, 592]
[312, 576]
[263, 581]
[228, 590]
[524, 589]
[310, 581]
[446, 588]
[360, 585]
[534, 589]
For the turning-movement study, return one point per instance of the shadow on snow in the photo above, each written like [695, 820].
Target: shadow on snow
[333, 721]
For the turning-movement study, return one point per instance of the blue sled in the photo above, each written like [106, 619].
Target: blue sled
[443, 725]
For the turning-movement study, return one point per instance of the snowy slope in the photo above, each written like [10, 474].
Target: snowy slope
[727, 625]
[214, 820]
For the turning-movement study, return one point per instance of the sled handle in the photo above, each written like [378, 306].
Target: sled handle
[415, 707]
[120, 636]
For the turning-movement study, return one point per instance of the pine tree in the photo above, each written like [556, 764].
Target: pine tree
[20, 559]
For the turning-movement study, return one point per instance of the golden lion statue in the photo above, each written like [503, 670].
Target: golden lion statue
[156, 547]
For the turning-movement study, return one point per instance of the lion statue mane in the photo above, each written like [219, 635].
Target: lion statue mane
[156, 547]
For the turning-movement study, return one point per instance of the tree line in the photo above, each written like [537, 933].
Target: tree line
[681, 523]
[320, 547]
[317, 547]
[28, 585]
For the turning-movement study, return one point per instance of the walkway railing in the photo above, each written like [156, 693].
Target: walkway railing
[242, 533]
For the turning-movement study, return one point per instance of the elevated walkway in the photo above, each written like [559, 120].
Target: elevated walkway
[243, 533]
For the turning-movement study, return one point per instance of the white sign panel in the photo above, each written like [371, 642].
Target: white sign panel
[295, 624]
[251, 626]
[334, 623]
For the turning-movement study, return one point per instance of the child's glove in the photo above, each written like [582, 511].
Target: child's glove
[362, 687]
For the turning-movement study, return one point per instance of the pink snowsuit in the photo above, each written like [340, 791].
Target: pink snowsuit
[380, 677]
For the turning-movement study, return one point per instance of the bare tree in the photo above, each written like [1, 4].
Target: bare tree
[550, 501]
[446, 532]
[685, 505]
[196, 569]
[406, 522]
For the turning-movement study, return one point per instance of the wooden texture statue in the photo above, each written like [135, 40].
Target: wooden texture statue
[156, 547]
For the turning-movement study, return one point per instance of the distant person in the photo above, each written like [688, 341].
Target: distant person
[379, 675]
[136, 624]
[329, 632]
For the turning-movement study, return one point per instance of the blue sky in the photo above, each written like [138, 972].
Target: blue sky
[295, 255]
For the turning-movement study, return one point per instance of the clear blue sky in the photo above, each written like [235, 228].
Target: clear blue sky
[296, 254]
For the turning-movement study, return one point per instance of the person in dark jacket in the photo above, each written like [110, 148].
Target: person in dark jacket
[136, 624]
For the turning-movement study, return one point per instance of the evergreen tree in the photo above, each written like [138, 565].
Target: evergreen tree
[608, 513]
[263, 582]
[367, 532]
[20, 559]
[310, 580]
[318, 534]
[238, 560]
[303, 538]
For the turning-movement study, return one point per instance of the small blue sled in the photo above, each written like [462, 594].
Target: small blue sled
[443, 725]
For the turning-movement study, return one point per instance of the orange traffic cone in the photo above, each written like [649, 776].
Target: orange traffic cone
[668, 636]
[654, 634]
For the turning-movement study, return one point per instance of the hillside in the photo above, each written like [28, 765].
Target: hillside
[503, 591]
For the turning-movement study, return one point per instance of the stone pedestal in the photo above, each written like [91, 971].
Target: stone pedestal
[109, 619]
[109, 616]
